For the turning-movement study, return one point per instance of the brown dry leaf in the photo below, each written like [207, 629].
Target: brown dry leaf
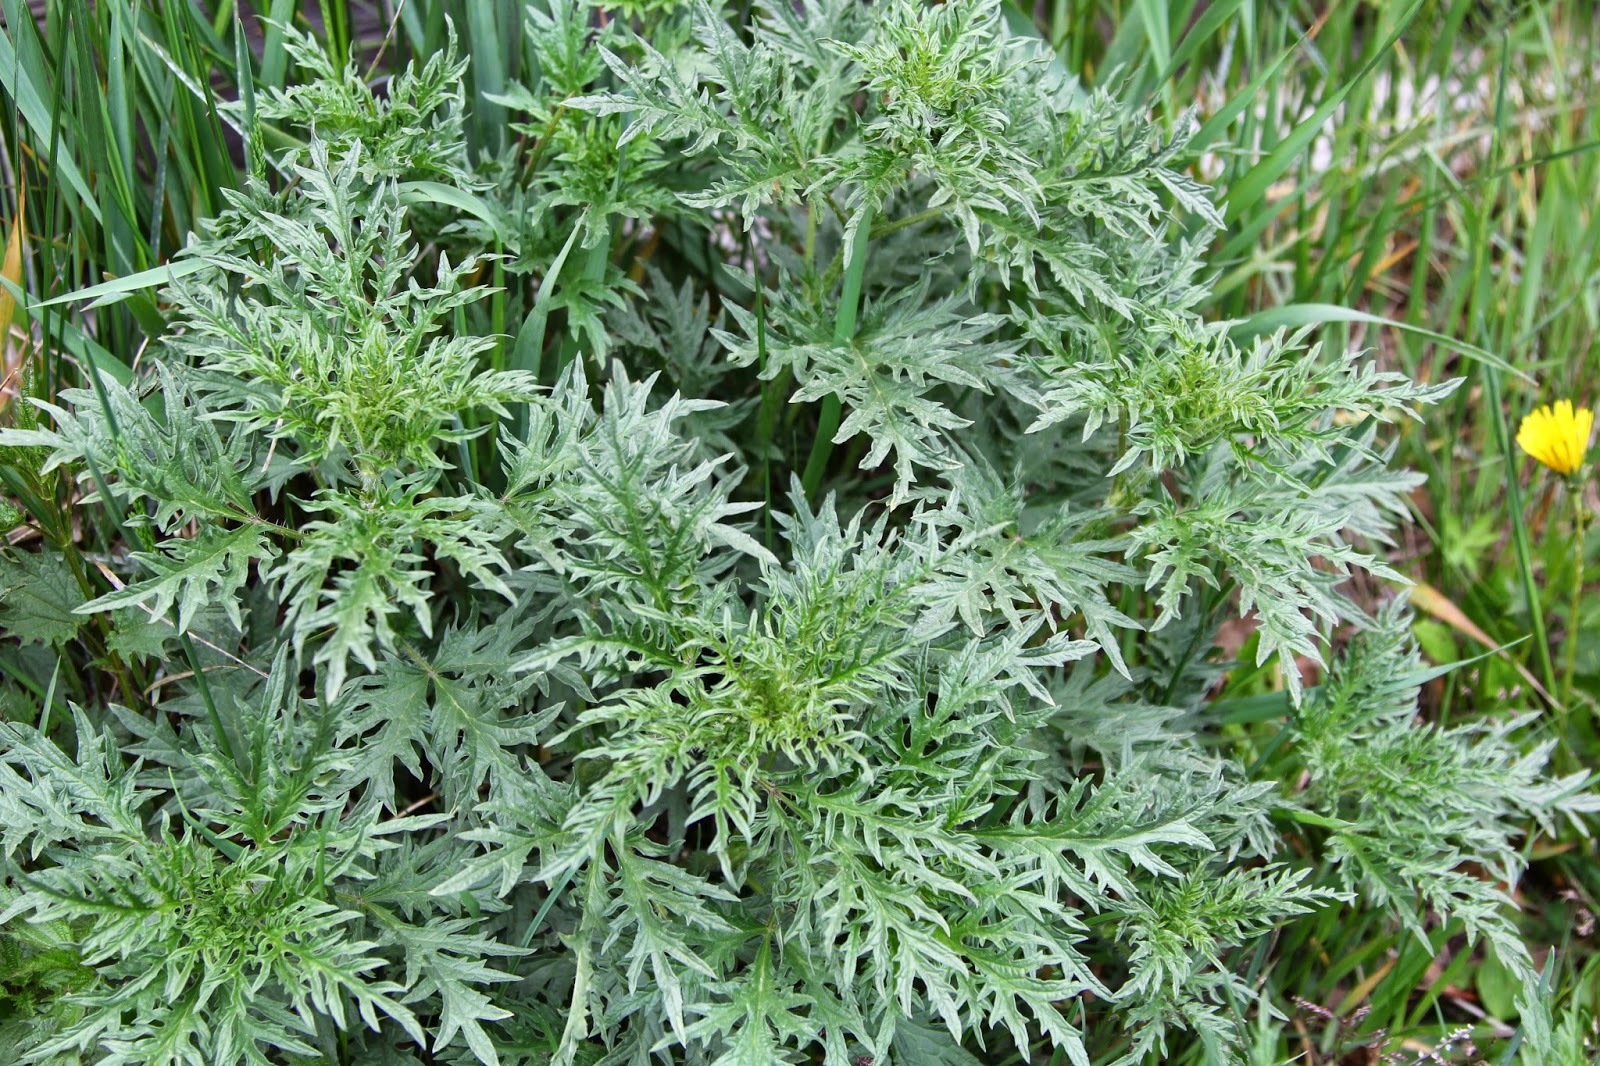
[1431, 601]
[12, 342]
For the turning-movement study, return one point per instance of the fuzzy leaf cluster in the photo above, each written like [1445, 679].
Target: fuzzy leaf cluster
[413, 131]
[521, 719]
[239, 927]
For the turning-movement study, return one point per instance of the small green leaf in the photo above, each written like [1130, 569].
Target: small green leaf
[186, 572]
[40, 600]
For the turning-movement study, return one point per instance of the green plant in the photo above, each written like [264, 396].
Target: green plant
[917, 762]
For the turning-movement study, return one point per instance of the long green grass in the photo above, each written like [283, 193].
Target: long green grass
[1434, 163]
[1450, 188]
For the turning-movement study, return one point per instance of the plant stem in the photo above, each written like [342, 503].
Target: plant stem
[1519, 529]
[910, 220]
[1480, 300]
[768, 415]
[844, 330]
[1580, 519]
[811, 234]
[594, 269]
[205, 697]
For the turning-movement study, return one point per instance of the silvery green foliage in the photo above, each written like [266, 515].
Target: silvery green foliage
[913, 765]
[413, 130]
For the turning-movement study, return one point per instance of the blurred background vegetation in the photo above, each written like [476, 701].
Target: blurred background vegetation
[1431, 165]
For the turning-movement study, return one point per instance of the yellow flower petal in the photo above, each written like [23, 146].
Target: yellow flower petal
[1557, 436]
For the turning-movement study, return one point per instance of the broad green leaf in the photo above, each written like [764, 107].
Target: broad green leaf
[40, 600]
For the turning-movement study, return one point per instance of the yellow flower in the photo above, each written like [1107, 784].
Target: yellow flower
[1557, 438]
